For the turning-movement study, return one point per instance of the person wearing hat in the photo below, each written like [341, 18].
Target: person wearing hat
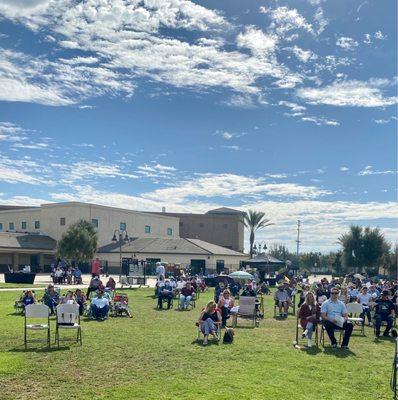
[384, 311]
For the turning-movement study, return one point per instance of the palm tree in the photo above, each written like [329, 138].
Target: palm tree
[255, 220]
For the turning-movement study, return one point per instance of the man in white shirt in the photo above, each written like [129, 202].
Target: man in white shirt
[334, 316]
[160, 270]
[99, 307]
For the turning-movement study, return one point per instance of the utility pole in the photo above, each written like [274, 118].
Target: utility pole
[298, 241]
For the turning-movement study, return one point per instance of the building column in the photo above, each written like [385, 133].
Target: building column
[41, 262]
[15, 262]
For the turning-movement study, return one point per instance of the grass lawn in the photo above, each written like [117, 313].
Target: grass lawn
[155, 356]
[20, 285]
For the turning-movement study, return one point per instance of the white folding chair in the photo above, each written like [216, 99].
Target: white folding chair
[353, 311]
[247, 309]
[68, 318]
[37, 311]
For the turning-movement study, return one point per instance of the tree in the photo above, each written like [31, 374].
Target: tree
[255, 220]
[363, 249]
[79, 242]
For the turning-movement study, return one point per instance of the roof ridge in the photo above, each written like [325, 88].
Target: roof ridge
[195, 244]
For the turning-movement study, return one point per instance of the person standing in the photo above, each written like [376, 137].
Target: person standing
[95, 267]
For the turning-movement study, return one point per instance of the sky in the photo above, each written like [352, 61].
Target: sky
[285, 107]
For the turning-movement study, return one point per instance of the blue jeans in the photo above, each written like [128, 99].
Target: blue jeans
[310, 330]
[184, 301]
[379, 319]
[98, 313]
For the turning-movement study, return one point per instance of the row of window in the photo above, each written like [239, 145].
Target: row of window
[24, 225]
[62, 222]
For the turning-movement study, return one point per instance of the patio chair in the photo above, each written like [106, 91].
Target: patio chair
[68, 318]
[247, 309]
[299, 328]
[37, 311]
[354, 310]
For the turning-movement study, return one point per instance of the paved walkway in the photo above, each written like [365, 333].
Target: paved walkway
[43, 280]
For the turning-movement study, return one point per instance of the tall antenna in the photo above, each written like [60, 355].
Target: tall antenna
[298, 241]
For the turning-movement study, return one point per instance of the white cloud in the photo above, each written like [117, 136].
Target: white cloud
[368, 39]
[257, 41]
[349, 94]
[347, 43]
[303, 55]
[320, 20]
[380, 36]
[86, 169]
[230, 135]
[320, 121]
[293, 106]
[285, 20]
[368, 170]
[344, 169]
[10, 132]
[232, 147]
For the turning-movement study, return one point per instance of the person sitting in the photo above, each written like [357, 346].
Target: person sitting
[309, 315]
[77, 276]
[207, 322]
[94, 285]
[353, 293]
[99, 307]
[303, 294]
[218, 290]
[69, 298]
[28, 298]
[364, 298]
[384, 311]
[249, 291]
[225, 304]
[51, 298]
[111, 284]
[59, 275]
[186, 295]
[282, 299]
[80, 299]
[166, 293]
[334, 316]
[194, 283]
[202, 285]
[343, 296]
[235, 288]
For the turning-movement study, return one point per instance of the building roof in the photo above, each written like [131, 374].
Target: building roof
[26, 241]
[225, 210]
[169, 246]
[263, 258]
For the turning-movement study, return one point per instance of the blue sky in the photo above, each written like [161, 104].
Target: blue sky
[288, 107]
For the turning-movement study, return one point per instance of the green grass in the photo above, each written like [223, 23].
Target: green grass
[20, 285]
[155, 356]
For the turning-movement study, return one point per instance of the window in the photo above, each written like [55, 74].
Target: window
[201, 224]
[37, 224]
[94, 221]
[62, 221]
[1, 226]
[122, 226]
[147, 229]
[23, 225]
[225, 226]
[11, 226]
[181, 224]
[169, 231]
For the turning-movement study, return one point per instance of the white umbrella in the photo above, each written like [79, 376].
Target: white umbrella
[241, 275]
[359, 276]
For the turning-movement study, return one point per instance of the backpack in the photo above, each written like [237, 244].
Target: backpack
[228, 336]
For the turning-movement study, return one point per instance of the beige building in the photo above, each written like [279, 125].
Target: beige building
[199, 255]
[54, 219]
[222, 226]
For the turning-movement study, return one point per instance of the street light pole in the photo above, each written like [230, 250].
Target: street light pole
[123, 237]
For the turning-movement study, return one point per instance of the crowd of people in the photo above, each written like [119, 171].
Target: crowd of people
[64, 273]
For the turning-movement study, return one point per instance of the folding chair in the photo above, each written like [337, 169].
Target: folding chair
[247, 309]
[354, 310]
[192, 302]
[218, 324]
[68, 318]
[299, 327]
[37, 311]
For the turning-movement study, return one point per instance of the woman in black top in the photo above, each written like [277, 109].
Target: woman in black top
[208, 321]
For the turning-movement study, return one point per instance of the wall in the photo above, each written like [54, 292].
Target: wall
[29, 215]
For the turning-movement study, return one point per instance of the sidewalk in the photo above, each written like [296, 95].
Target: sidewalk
[43, 280]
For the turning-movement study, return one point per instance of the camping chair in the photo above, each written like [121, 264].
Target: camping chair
[165, 301]
[293, 303]
[68, 317]
[200, 334]
[37, 311]
[354, 310]
[300, 328]
[247, 309]
[18, 307]
[192, 302]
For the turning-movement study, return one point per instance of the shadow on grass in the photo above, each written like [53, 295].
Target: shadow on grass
[338, 352]
[199, 343]
[311, 351]
[38, 349]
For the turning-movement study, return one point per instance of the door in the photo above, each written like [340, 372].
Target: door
[219, 266]
[34, 263]
[198, 267]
